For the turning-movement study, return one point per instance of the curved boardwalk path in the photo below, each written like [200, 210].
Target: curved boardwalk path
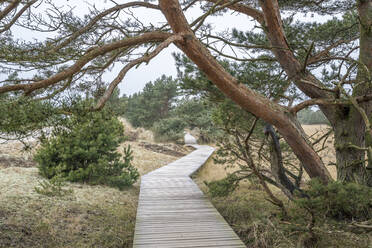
[173, 212]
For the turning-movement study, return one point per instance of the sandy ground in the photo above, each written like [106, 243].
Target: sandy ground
[92, 216]
[328, 154]
[211, 171]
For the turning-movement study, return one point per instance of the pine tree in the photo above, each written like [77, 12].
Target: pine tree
[85, 150]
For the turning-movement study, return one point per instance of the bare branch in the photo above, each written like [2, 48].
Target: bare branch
[244, 9]
[315, 101]
[324, 136]
[326, 101]
[317, 86]
[307, 56]
[241, 45]
[325, 52]
[362, 226]
[87, 57]
[253, 126]
[200, 20]
[16, 17]
[9, 8]
[56, 92]
[238, 59]
[123, 72]
[362, 66]
[99, 17]
[189, 5]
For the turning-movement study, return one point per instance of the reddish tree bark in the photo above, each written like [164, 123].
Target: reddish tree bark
[346, 120]
[249, 100]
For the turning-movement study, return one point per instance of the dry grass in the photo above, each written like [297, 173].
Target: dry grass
[14, 149]
[140, 134]
[211, 171]
[259, 223]
[92, 216]
[98, 216]
[328, 154]
[145, 160]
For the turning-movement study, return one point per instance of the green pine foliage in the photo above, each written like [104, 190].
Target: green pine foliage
[53, 187]
[190, 113]
[21, 117]
[116, 103]
[310, 117]
[167, 111]
[169, 129]
[85, 150]
[153, 103]
[223, 187]
[337, 200]
[196, 113]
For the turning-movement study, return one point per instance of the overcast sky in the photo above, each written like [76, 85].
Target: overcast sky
[136, 79]
[164, 62]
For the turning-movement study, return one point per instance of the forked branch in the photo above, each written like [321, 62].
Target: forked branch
[85, 59]
[136, 62]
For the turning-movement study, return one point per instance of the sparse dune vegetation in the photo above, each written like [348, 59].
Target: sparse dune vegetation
[254, 218]
[90, 216]
[100, 216]
[95, 94]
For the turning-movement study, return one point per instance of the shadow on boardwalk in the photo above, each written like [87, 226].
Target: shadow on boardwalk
[173, 212]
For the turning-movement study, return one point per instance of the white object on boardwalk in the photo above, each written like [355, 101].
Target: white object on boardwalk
[173, 212]
[189, 139]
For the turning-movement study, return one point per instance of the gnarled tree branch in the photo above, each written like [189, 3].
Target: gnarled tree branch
[123, 72]
[246, 98]
[90, 55]
[98, 17]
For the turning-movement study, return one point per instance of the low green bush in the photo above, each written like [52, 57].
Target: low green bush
[170, 129]
[53, 187]
[223, 187]
[338, 200]
[85, 150]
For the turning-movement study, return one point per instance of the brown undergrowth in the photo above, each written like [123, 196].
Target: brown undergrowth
[261, 225]
[98, 216]
[90, 216]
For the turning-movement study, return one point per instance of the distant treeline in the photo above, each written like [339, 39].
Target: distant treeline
[162, 107]
[167, 109]
[309, 117]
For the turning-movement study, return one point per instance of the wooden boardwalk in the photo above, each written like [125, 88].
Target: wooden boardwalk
[173, 212]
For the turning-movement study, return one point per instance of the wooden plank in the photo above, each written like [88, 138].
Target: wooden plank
[173, 212]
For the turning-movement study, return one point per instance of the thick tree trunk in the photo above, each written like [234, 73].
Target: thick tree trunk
[365, 74]
[347, 122]
[351, 131]
[243, 96]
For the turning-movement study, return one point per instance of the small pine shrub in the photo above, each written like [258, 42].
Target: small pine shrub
[338, 200]
[85, 150]
[222, 187]
[170, 129]
[53, 187]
